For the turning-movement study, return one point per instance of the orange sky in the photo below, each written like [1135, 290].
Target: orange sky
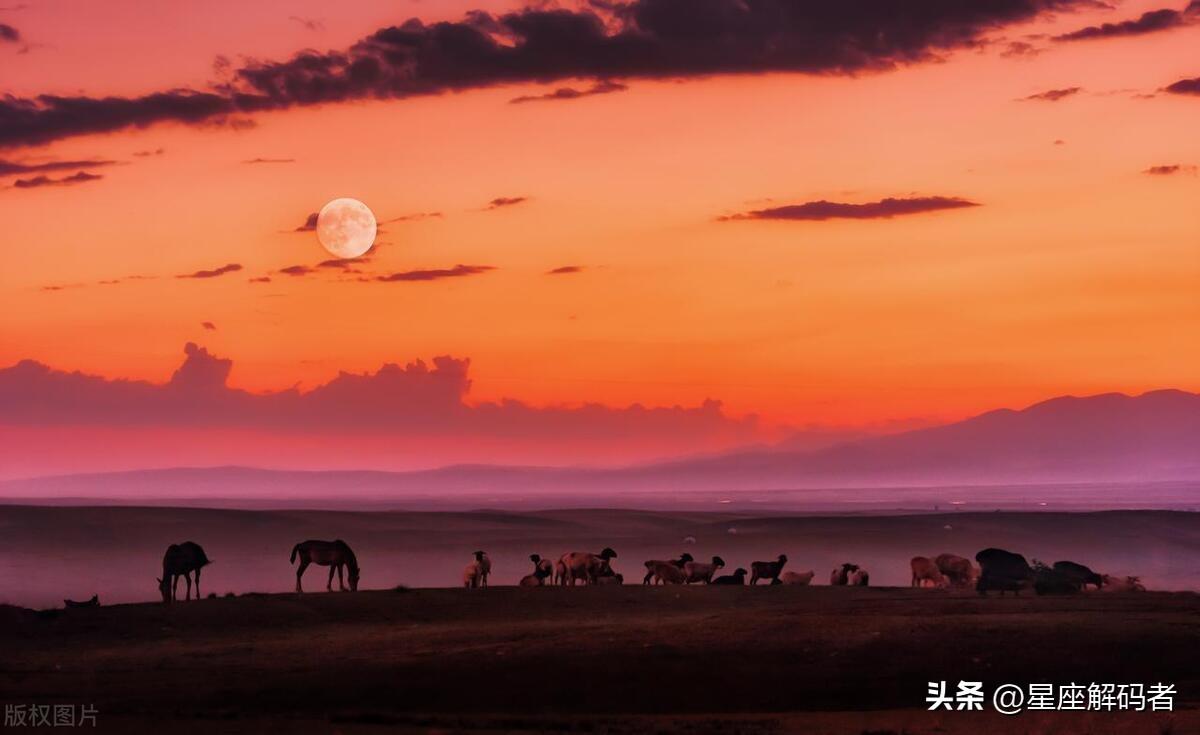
[1078, 274]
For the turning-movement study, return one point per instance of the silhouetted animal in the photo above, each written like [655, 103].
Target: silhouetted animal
[840, 576]
[585, 566]
[959, 571]
[610, 577]
[766, 569]
[667, 571]
[696, 571]
[333, 554]
[802, 579]
[925, 570]
[1122, 584]
[738, 577]
[93, 602]
[1004, 571]
[1078, 574]
[542, 568]
[1049, 581]
[860, 578]
[475, 573]
[180, 561]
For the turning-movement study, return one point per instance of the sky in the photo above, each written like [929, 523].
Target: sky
[627, 229]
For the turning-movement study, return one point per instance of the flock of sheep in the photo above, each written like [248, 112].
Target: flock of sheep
[997, 570]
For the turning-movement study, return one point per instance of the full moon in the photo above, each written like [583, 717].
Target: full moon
[346, 228]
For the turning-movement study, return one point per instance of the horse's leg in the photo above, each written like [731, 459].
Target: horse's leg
[329, 585]
[197, 583]
[300, 572]
[174, 587]
[341, 584]
[187, 592]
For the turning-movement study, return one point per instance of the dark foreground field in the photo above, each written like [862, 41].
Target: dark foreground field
[607, 659]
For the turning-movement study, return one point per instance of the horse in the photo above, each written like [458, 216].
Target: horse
[180, 561]
[332, 554]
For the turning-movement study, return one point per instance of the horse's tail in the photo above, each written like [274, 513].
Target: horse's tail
[295, 550]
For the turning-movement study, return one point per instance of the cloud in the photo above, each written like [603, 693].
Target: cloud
[296, 270]
[269, 160]
[563, 270]
[149, 153]
[499, 202]
[8, 34]
[260, 279]
[9, 168]
[1052, 95]
[415, 216]
[1184, 86]
[657, 39]
[1020, 49]
[882, 209]
[215, 272]
[435, 274]
[36, 182]
[209, 326]
[418, 400]
[1149, 22]
[310, 223]
[1170, 169]
[311, 24]
[570, 93]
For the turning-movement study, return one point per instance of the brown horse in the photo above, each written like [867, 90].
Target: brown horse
[180, 561]
[332, 554]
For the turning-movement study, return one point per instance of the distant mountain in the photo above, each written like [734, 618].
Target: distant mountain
[1153, 437]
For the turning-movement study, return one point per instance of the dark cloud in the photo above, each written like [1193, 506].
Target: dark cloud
[1170, 169]
[11, 168]
[81, 177]
[563, 270]
[418, 399]
[260, 279]
[311, 24]
[1053, 95]
[149, 153]
[457, 271]
[499, 202]
[540, 43]
[297, 270]
[1149, 22]
[415, 216]
[1184, 86]
[209, 326]
[570, 93]
[8, 34]
[270, 160]
[310, 223]
[215, 272]
[1016, 49]
[882, 209]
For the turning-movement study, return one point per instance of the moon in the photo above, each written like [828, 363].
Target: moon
[346, 228]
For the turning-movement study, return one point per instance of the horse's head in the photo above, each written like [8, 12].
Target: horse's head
[165, 589]
[354, 572]
[608, 553]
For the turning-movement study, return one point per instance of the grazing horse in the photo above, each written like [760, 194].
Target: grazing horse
[332, 554]
[180, 561]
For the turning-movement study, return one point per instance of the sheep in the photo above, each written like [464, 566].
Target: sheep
[925, 570]
[860, 578]
[542, 568]
[696, 571]
[473, 573]
[1121, 584]
[766, 569]
[840, 576]
[667, 572]
[584, 565]
[738, 577]
[801, 579]
[610, 578]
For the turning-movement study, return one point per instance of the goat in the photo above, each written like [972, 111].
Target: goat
[738, 577]
[473, 573]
